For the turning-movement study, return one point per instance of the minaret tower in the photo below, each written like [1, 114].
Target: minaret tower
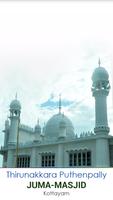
[62, 124]
[37, 131]
[15, 109]
[100, 91]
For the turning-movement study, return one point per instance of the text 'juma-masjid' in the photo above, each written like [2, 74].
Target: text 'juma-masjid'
[56, 144]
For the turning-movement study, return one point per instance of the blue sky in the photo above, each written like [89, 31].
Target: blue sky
[51, 48]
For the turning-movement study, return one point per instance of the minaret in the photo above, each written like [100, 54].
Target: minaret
[62, 124]
[37, 138]
[37, 131]
[15, 109]
[100, 91]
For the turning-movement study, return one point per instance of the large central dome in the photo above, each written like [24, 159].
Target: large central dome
[53, 126]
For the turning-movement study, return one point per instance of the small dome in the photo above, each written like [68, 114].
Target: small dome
[52, 127]
[100, 74]
[15, 105]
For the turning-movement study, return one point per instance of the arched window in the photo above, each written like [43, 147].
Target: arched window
[23, 161]
[48, 160]
[80, 158]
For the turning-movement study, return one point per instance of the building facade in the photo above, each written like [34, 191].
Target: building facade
[57, 145]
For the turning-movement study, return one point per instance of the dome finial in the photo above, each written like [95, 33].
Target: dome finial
[60, 103]
[99, 62]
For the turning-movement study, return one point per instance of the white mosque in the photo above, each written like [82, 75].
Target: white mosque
[57, 145]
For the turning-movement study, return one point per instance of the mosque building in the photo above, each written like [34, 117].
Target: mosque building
[57, 145]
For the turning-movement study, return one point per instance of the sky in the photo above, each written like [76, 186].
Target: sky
[51, 48]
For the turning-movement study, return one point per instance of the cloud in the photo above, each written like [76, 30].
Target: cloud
[51, 103]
